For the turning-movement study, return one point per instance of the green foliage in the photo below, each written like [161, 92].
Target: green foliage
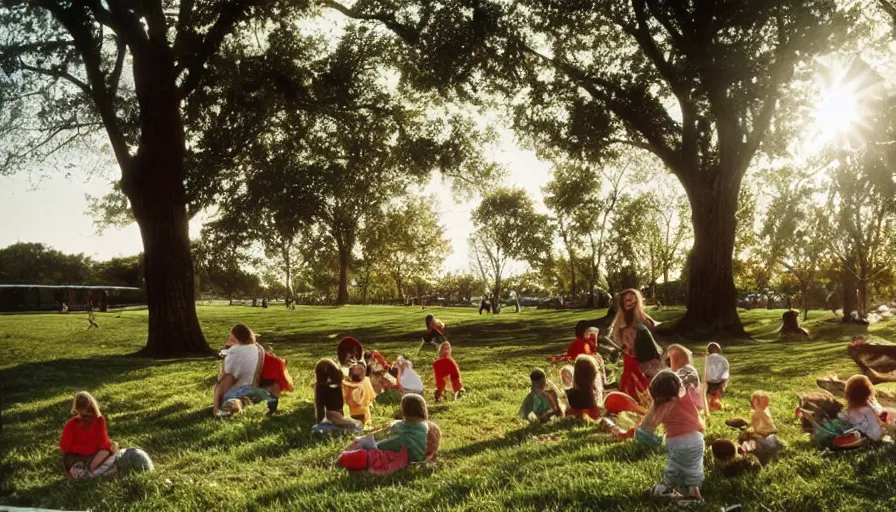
[206, 464]
[33, 263]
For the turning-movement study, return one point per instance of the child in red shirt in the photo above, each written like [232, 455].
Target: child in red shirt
[444, 367]
[85, 444]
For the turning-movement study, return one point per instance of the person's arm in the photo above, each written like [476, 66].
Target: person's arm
[102, 434]
[655, 416]
[221, 389]
[67, 438]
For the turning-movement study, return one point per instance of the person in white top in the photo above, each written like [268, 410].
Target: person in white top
[408, 380]
[717, 374]
[863, 411]
[241, 366]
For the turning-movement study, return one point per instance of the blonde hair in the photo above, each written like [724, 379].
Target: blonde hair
[760, 395]
[623, 319]
[413, 407]
[443, 346]
[684, 350]
[83, 400]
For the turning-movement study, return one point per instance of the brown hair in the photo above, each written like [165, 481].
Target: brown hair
[724, 450]
[243, 334]
[684, 350]
[665, 386]
[326, 371]
[84, 400]
[714, 348]
[587, 377]
[413, 407]
[859, 391]
[433, 439]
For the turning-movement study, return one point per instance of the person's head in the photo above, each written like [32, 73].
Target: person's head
[357, 370]
[724, 451]
[713, 348]
[581, 327]
[403, 363]
[538, 378]
[665, 387]
[630, 300]
[445, 349]
[679, 356]
[428, 320]
[326, 372]
[760, 400]
[413, 407]
[241, 334]
[586, 373]
[567, 375]
[85, 406]
[592, 333]
[859, 391]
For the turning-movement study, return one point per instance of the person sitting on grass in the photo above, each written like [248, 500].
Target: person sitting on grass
[357, 392]
[675, 409]
[85, 444]
[435, 330]
[761, 437]
[717, 374]
[862, 410]
[542, 402]
[329, 406]
[413, 439]
[586, 395]
[349, 349]
[409, 381]
[567, 376]
[248, 374]
[445, 368]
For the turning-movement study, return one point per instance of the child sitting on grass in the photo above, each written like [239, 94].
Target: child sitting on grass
[414, 439]
[862, 410]
[409, 381]
[357, 392]
[567, 374]
[761, 437]
[717, 373]
[586, 395]
[446, 368]
[542, 403]
[328, 401]
[675, 409]
[85, 444]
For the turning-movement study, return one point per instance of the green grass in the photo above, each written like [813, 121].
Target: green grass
[489, 460]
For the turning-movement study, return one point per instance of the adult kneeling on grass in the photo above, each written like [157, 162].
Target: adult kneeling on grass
[248, 374]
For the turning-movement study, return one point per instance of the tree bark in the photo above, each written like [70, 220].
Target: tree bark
[712, 296]
[342, 294]
[154, 184]
[850, 289]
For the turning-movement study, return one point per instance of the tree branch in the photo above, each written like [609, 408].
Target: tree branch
[115, 76]
[58, 74]
[408, 34]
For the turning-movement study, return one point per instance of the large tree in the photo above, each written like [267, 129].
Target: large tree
[587, 76]
[77, 69]
[507, 228]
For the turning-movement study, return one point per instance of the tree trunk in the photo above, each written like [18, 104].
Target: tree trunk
[850, 291]
[496, 300]
[288, 264]
[154, 183]
[712, 296]
[342, 294]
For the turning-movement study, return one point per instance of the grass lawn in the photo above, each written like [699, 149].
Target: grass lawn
[490, 460]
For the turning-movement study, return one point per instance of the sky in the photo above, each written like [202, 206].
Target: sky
[53, 210]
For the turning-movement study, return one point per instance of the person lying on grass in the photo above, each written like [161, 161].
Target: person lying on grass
[413, 439]
[542, 402]
[674, 408]
[445, 368]
[329, 406]
[85, 444]
[730, 460]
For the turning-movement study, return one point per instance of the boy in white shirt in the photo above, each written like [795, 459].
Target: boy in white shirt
[717, 374]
